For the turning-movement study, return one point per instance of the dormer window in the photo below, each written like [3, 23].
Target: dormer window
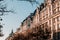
[52, 1]
[42, 6]
[22, 23]
[29, 24]
[46, 0]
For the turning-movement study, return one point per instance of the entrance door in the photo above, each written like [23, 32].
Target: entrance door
[56, 36]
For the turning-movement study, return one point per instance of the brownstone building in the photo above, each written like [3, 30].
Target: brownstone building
[46, 17]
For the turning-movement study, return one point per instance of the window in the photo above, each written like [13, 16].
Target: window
[56, 36]
[54, 6]
[58, 26]
[57, 9]
[54, 11]
[54, 24]
[46, 24]
[59, 5]
[53, 20]
[54, 27]
[46, 0]
[58, 18]
[42, 25]
[52, 1]
[49, 22]
[46, 15]
[49, 11]
[28, 23]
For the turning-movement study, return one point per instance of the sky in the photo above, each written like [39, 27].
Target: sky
[13, 20]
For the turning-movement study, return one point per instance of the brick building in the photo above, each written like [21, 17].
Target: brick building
[47, 16]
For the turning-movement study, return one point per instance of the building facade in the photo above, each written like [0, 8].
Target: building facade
[47, 16]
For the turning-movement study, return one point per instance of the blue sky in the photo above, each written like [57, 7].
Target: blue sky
[13, 21]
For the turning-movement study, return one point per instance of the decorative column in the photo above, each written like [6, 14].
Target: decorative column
[51, 29]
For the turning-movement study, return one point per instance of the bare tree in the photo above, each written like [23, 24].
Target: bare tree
[2, 13]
